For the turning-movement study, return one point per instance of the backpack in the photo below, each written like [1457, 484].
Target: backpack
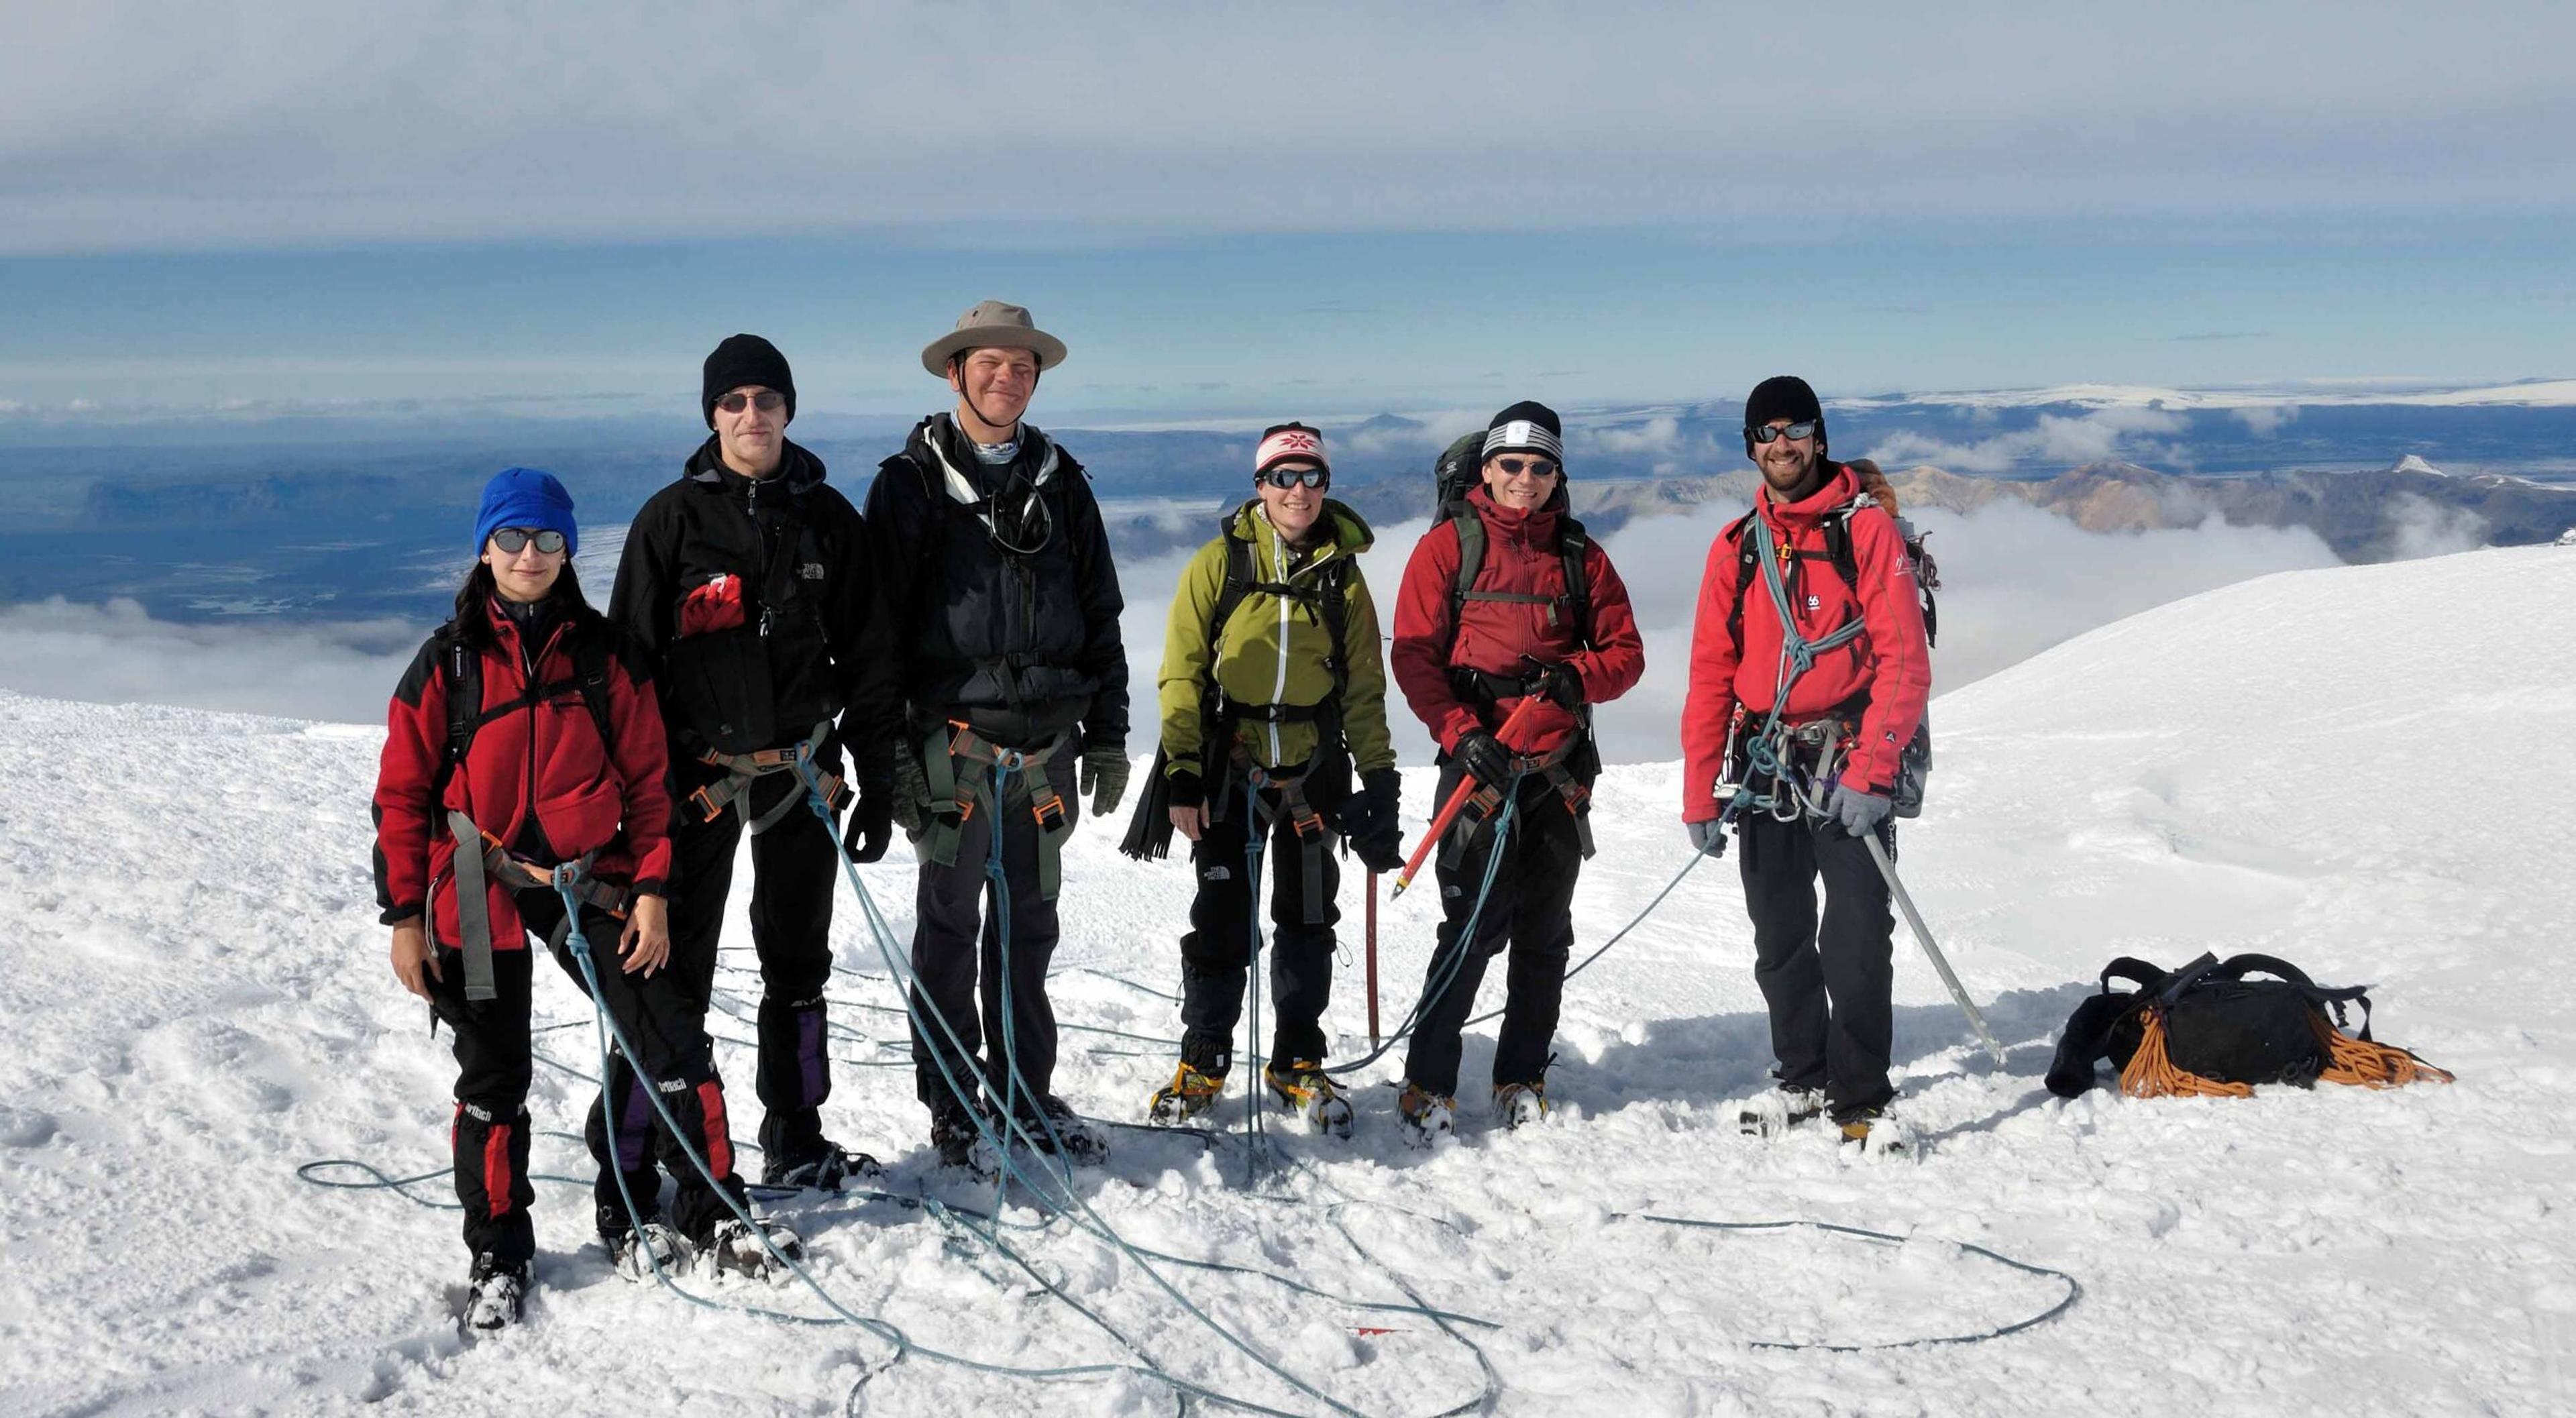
[1914, 762]
[2207, 1030]
[461, 668]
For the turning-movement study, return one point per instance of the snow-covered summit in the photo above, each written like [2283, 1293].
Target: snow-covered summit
[2359, 769]
[2414, 463]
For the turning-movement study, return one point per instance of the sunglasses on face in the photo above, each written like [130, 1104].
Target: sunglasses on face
[1535, 467]
[1285, 478]
[768, 401]
[1803, 429]
[510, 541]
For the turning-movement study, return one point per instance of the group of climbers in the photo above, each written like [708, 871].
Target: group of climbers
[951, 662]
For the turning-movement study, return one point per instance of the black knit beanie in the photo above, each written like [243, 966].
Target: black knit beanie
[1782, 396]
[1528, 427]
[741, 360]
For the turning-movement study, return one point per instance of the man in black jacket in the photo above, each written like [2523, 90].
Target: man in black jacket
[1005, 609]
[749, 582]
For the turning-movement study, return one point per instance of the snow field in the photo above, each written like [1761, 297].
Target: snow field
[2362, 770]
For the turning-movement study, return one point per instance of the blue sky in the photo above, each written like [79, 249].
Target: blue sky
[1228, 210]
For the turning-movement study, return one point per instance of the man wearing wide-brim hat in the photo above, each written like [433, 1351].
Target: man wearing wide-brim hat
[1006, 603]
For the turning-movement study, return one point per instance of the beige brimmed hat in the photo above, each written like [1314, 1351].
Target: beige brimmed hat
[1001, 326]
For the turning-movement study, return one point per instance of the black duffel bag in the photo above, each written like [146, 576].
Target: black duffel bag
[2208, 1029]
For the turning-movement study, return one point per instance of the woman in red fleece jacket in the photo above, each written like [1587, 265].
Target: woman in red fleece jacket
[564, 761]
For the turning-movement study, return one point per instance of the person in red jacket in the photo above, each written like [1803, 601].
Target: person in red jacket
[1841, 727]
[1541, 616]
[563, 760]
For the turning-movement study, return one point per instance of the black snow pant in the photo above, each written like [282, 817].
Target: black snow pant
[494, 1063]
[1531, 911]
[795, 869]
[1826, 981]
[1216, 953]
[963, 967]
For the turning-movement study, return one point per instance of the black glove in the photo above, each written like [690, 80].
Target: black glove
[1484, 758]
[1181, 786]
[1559, 682]
[871, 822]
[1372, 822]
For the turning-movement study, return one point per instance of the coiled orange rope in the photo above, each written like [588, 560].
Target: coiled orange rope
[2152, 1073]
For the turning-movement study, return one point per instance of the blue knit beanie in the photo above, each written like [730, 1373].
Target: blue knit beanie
[525, 497]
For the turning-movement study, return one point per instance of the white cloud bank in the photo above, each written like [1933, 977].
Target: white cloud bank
[2017, 581]
[135, 124]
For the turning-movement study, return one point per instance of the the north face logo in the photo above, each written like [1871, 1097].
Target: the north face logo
[811, 571]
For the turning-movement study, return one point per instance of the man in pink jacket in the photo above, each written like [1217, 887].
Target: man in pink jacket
[1841, 729]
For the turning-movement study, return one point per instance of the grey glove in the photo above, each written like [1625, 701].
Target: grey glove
[1859, 812]
[1104, 777]
[911, 804]
[1708, 836]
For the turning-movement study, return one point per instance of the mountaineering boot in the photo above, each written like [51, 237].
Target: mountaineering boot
[1520, 1104]
[639, 1251]
[1777, 1109]
[1304, 1089]
[1082, 1144]
[735, 1249]
[834, 1168]
[495, 1296]
[1879, 1133]
[960, 1145]
[1189, 1094]
[1427, 1116]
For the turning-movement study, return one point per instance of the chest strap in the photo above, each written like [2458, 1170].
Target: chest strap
[741, 768]
[960, 765]
[480, 861]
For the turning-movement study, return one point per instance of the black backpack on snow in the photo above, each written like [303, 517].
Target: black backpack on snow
[2208, 1029]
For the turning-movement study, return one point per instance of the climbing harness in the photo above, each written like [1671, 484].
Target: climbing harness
[741, 769]
[960, 765]
[480, 857]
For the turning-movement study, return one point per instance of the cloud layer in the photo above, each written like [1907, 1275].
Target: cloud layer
[132, 124]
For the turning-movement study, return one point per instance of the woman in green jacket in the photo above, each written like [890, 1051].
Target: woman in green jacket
[1273, 695]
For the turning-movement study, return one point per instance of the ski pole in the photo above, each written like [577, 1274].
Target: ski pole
[1457, 801]
[1372, 958]
[1923, 937]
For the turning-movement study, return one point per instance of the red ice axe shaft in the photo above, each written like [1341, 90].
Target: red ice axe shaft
[1458, 800]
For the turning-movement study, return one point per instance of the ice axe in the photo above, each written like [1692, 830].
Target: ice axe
[1457, 801]
[1923, 937]
[1372, 958]
[1922, 932]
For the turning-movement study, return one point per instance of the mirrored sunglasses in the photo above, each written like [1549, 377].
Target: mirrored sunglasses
[510, 541]
[1535, 467]
[1805, 428]
[1284, 478]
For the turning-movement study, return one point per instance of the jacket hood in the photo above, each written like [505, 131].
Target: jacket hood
[1838, 489]
[798, 469]
[1536, 523]
[1350, 532]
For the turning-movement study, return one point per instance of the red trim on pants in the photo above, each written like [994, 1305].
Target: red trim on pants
[719, 1141]
[496, 1168]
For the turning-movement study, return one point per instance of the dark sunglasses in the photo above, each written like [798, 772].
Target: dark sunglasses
[510, 541]
[1285, 478]
[768, 401]
[1536, 467]
[1803, 429]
